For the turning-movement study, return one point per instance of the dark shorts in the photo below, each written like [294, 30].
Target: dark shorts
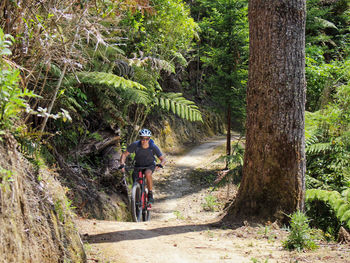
[135, 173]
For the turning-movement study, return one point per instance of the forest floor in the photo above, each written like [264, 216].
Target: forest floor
[184, 227]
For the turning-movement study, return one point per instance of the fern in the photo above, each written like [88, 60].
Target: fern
[339, 203]
[123, 69]
[108, 79]
[178, 105]
[155, 64]
[130, 91]
[179, 58]
[318, 148]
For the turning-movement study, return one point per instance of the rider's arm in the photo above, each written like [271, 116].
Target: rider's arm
[123, 157]
[162, 160]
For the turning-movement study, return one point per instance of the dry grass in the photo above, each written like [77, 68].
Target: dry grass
[34, 227]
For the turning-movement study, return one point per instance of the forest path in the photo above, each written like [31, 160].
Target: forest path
[179, 230]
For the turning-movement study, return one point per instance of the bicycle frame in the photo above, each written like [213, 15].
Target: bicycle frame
[140, 207]
[141, 179]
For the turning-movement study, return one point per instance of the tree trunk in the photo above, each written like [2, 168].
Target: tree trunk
[274, 163]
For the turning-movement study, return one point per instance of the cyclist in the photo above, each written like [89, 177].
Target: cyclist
[145, 150]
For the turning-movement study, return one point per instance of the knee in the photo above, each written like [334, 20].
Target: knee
[148, 173]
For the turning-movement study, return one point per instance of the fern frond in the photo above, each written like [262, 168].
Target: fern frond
[154, 63]
[108, 79]
[325, 23]
[122, 68]
[346, 217]
[55, 71]
[319, 148]
[179, 105]
[128, 90]
[313, 139]
[179, 58]
[346, 195]
[335, 200]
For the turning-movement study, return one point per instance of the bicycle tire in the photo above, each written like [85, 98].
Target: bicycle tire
[136, 205]
[146, 215]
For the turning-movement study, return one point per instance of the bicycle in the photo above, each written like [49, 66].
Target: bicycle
[140, 206]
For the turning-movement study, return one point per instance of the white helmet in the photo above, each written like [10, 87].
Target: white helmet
[145, 132]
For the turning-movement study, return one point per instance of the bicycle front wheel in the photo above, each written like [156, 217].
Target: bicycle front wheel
[146, 213]
[136, 203]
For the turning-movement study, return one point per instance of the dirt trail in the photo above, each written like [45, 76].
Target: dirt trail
[180, 230]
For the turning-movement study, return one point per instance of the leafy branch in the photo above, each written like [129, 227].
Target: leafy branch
[178, 105]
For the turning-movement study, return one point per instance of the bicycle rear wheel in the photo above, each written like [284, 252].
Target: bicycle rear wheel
[136, 203]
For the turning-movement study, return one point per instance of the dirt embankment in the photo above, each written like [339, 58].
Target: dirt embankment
[36, 224]
[183, 229]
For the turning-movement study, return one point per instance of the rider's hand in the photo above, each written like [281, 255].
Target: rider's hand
[122, 167]
[158, 166]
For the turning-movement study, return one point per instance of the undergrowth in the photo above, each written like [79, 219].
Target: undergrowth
[328, 209]
[300, 235]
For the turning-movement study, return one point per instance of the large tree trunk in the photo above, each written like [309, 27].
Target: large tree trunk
[274, 162]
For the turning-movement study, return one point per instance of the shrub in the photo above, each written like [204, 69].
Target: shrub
[299, 237]
[12, 98]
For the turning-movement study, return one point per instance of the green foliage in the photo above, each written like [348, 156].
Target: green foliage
[234, 163]
[335, 205]
[327, 27]
[178, 105]
[12, 98]
[328, 142]
[223, 52]
[63, 208]
[5, 177]
[323, 78]
[164, 32]
[211, 203]
[300, 236]
[178, 215]
[130, 92]
[5, 43]
[108, 79]
[154, 64]
[254, 260]
[327, 50]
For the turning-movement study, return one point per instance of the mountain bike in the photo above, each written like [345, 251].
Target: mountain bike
[140, 206]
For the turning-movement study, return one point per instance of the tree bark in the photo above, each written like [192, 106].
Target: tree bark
[273, 182]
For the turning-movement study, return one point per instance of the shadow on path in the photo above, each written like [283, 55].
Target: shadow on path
[137, 234]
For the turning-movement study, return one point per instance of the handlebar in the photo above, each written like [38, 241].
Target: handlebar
[139, 167]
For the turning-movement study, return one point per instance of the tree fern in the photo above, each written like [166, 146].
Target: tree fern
[134, 92]
[130, 90]
[108, 79]
[178, 105]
